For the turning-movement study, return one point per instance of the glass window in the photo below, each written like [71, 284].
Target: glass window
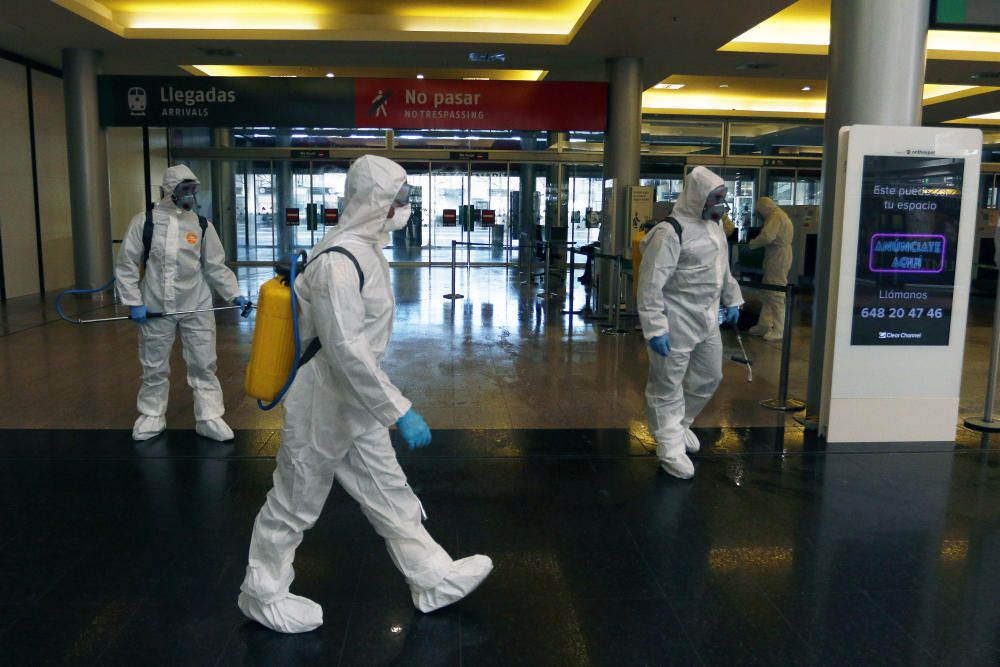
[666, 136]
[769, 138]
[307, 137]
[507, 140]
[585, 142]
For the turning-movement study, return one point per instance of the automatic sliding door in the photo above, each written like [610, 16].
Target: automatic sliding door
[255, 211]
[411, 243]
[449, 193]
[490, 197]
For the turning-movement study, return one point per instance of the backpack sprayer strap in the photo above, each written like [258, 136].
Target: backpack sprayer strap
[147, 236]
[315, 345]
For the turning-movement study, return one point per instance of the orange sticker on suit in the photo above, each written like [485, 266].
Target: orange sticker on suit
[192, 238]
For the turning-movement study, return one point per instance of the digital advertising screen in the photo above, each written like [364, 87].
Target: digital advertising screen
[907, 244]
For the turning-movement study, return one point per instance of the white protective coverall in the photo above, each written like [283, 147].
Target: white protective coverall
[776, 239]
[182, 271]
[682, 283]
[337, 417]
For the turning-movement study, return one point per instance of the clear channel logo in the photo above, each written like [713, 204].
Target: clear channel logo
[137, 101]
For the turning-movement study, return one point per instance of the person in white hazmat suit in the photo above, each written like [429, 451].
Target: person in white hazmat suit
[776, 239]
[337, 417]
[684, 279]
[185, 264]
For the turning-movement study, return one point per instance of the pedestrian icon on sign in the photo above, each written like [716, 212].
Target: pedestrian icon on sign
[380, 104]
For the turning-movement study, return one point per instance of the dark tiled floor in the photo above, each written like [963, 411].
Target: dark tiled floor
[778, 553]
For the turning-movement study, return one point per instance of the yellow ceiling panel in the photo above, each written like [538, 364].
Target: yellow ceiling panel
[504, 21]
[804, 28]
[748, 96]
[366, 72]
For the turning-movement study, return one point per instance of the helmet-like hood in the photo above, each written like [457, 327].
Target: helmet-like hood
[697, 186]
[372, 184]
[765, 206]
[173, 176]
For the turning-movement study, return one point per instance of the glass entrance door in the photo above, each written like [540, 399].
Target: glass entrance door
[495, 206]
[255, 221]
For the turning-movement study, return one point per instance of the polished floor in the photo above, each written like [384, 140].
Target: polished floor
[779, 552]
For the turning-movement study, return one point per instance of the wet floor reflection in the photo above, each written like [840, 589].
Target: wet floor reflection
[778, 552]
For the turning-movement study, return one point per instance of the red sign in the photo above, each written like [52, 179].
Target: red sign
[449, 218]
[331, 216]
[291, 216]
[489, 218]
[481, 105]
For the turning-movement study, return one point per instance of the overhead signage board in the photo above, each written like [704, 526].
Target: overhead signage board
[902, 255]
[136, 101]
[976, 15]
[203, 101]
[481, 105]
[907, 240]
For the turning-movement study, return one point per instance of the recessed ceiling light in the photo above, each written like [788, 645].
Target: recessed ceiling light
[806, 89]
[475, 78]
[330, 75]
[669, 86]
[420, 76]
[723, 85]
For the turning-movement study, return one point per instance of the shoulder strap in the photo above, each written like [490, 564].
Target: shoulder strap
[677, 228]
[203, 223]
[346, 253]
[147, 235]
[315, 345]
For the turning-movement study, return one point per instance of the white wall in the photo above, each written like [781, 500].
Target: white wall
[127, 180]
[53, 180]
[17, 207]
[18, 234]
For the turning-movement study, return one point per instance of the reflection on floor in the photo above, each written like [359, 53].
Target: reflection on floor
[502, 357]
[777, 553]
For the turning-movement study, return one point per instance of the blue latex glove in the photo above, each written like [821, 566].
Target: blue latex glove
[241, 301]
[731, 315]
[660, 344]
[414, 429]
[137, 314]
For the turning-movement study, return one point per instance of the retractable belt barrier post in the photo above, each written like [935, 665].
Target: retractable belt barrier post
[783, 403]
[614, 297]
[986, 424]
[454, 292]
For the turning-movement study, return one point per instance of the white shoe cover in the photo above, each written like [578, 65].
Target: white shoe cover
[216, 429]
[464, 577]
[291, 615]
[758, 330]
[691, 443]
[679, 466]
[148, 426]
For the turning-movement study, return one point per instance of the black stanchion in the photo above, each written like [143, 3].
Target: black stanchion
[454, 292]
[986, 424]
[616, 301]
[783, 403]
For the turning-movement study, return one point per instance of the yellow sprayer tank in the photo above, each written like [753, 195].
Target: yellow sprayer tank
[273, 350]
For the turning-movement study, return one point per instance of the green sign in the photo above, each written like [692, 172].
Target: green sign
[136, 101]
[979, 15]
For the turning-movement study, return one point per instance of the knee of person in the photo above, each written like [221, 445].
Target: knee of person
[706, 384]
